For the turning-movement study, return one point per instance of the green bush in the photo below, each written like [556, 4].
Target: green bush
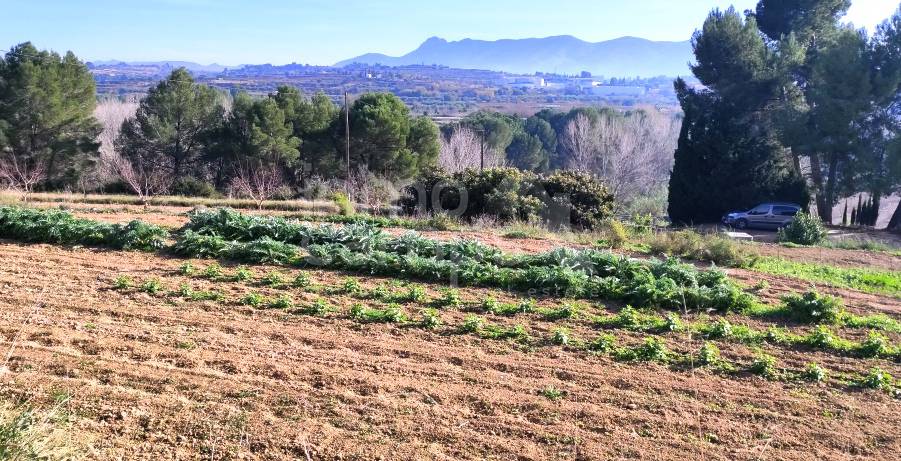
[813, 307]
[805, 229]
[342, 201]
[511, 195]
[191, 187]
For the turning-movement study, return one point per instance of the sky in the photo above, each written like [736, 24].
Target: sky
[233, 32]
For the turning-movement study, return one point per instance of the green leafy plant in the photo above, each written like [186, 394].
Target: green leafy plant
[243, 274]
[813, 307]
[213, 271]
[187, 269]
[273, 279]
[709, 354]
[877, 378]
[551, 393]
[302, 280]
[152, 286]
[253, 299]
[123, 282]
[814, 373]
[472, 324]
[764, 365]
[351, 286]
[282, 302]
[561, 337]
[449, 298]
[431, 319]
[603, 344]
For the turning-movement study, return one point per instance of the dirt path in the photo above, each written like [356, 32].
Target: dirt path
[155, 380]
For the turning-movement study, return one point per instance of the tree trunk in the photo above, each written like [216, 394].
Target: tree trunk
[830, 188]
[894, 224]
[816, 175]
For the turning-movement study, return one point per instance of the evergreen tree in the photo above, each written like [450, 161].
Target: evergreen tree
[173, 126]
[729, 155]
[46, 113]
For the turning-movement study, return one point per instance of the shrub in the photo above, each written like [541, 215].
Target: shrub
[876, 345]
[509, 194]
[282, 302]
[302, 280]
[213, 271]
[243, 274]
[472, 324]
[615, 234]
[192, 187]
[813, 307]
[603, 343]
[805, 229]
[342, 201]
[653, 350]
[551, 393]
[186, 269]
[273, 279]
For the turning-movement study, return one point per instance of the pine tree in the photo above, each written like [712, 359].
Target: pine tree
[46, 110]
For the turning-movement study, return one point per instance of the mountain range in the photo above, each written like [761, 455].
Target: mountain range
[565, 54]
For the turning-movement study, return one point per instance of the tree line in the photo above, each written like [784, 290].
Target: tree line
[794, 104]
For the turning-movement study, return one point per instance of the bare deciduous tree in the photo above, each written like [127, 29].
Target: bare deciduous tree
[110, 113]
[144, 178]
[21, 175]
[632, 153]
[371, 190]
[463, 150]
[257, 182]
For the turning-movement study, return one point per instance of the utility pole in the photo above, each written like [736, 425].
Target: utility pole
[482, 149]
[347, 138]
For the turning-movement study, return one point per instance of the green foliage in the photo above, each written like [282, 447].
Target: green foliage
[152, 286]
[513, 195]
[253, 299]
[603, 344]
[56, 226]
[192, 187]
[449, 298]
[187, 269]
[878, 378]
[172, 128]
[282, 302]
[302, 280]
[243, 274]
[345, 206]
[123, 282]
[551, 393]
[764, 365]
[814, 373]
[390, 314]
[805, 229]
[46, 115]
[709, 355]
[213, 271]
[318, 308]
[876, 345]
[652, 350]
[561, 337]
[862, 279]
[472, 324]
[273, 279]
[813, 307]
[431, 319]
[351, 286]
[692, 245]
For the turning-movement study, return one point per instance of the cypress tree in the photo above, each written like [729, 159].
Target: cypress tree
[845, 215]
[854, 216]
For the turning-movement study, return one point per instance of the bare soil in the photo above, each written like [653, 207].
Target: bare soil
[152, 377]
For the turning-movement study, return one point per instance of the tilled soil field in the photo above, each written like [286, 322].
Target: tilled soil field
[144, 376]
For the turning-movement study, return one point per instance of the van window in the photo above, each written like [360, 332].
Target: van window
[760, 209]
[785, 210]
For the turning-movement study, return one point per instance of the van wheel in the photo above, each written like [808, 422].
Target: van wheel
[741, 224]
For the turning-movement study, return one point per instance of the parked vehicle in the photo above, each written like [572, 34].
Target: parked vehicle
[765, 215]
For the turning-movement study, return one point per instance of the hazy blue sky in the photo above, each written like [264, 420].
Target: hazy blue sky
[325, 31]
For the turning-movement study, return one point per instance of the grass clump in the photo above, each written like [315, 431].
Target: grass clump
[31, 434]
[551, 393]
[213, 271]
[273, 279]
[282, 302]
[242, 274]
[449, 298]
[302, 280]
[345, 206]
[689, 244]
[187, 269]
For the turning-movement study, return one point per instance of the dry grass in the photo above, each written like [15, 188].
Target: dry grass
[30, 434]
[116, 199]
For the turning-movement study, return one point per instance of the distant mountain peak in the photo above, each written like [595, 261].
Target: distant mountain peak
[621, 57]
